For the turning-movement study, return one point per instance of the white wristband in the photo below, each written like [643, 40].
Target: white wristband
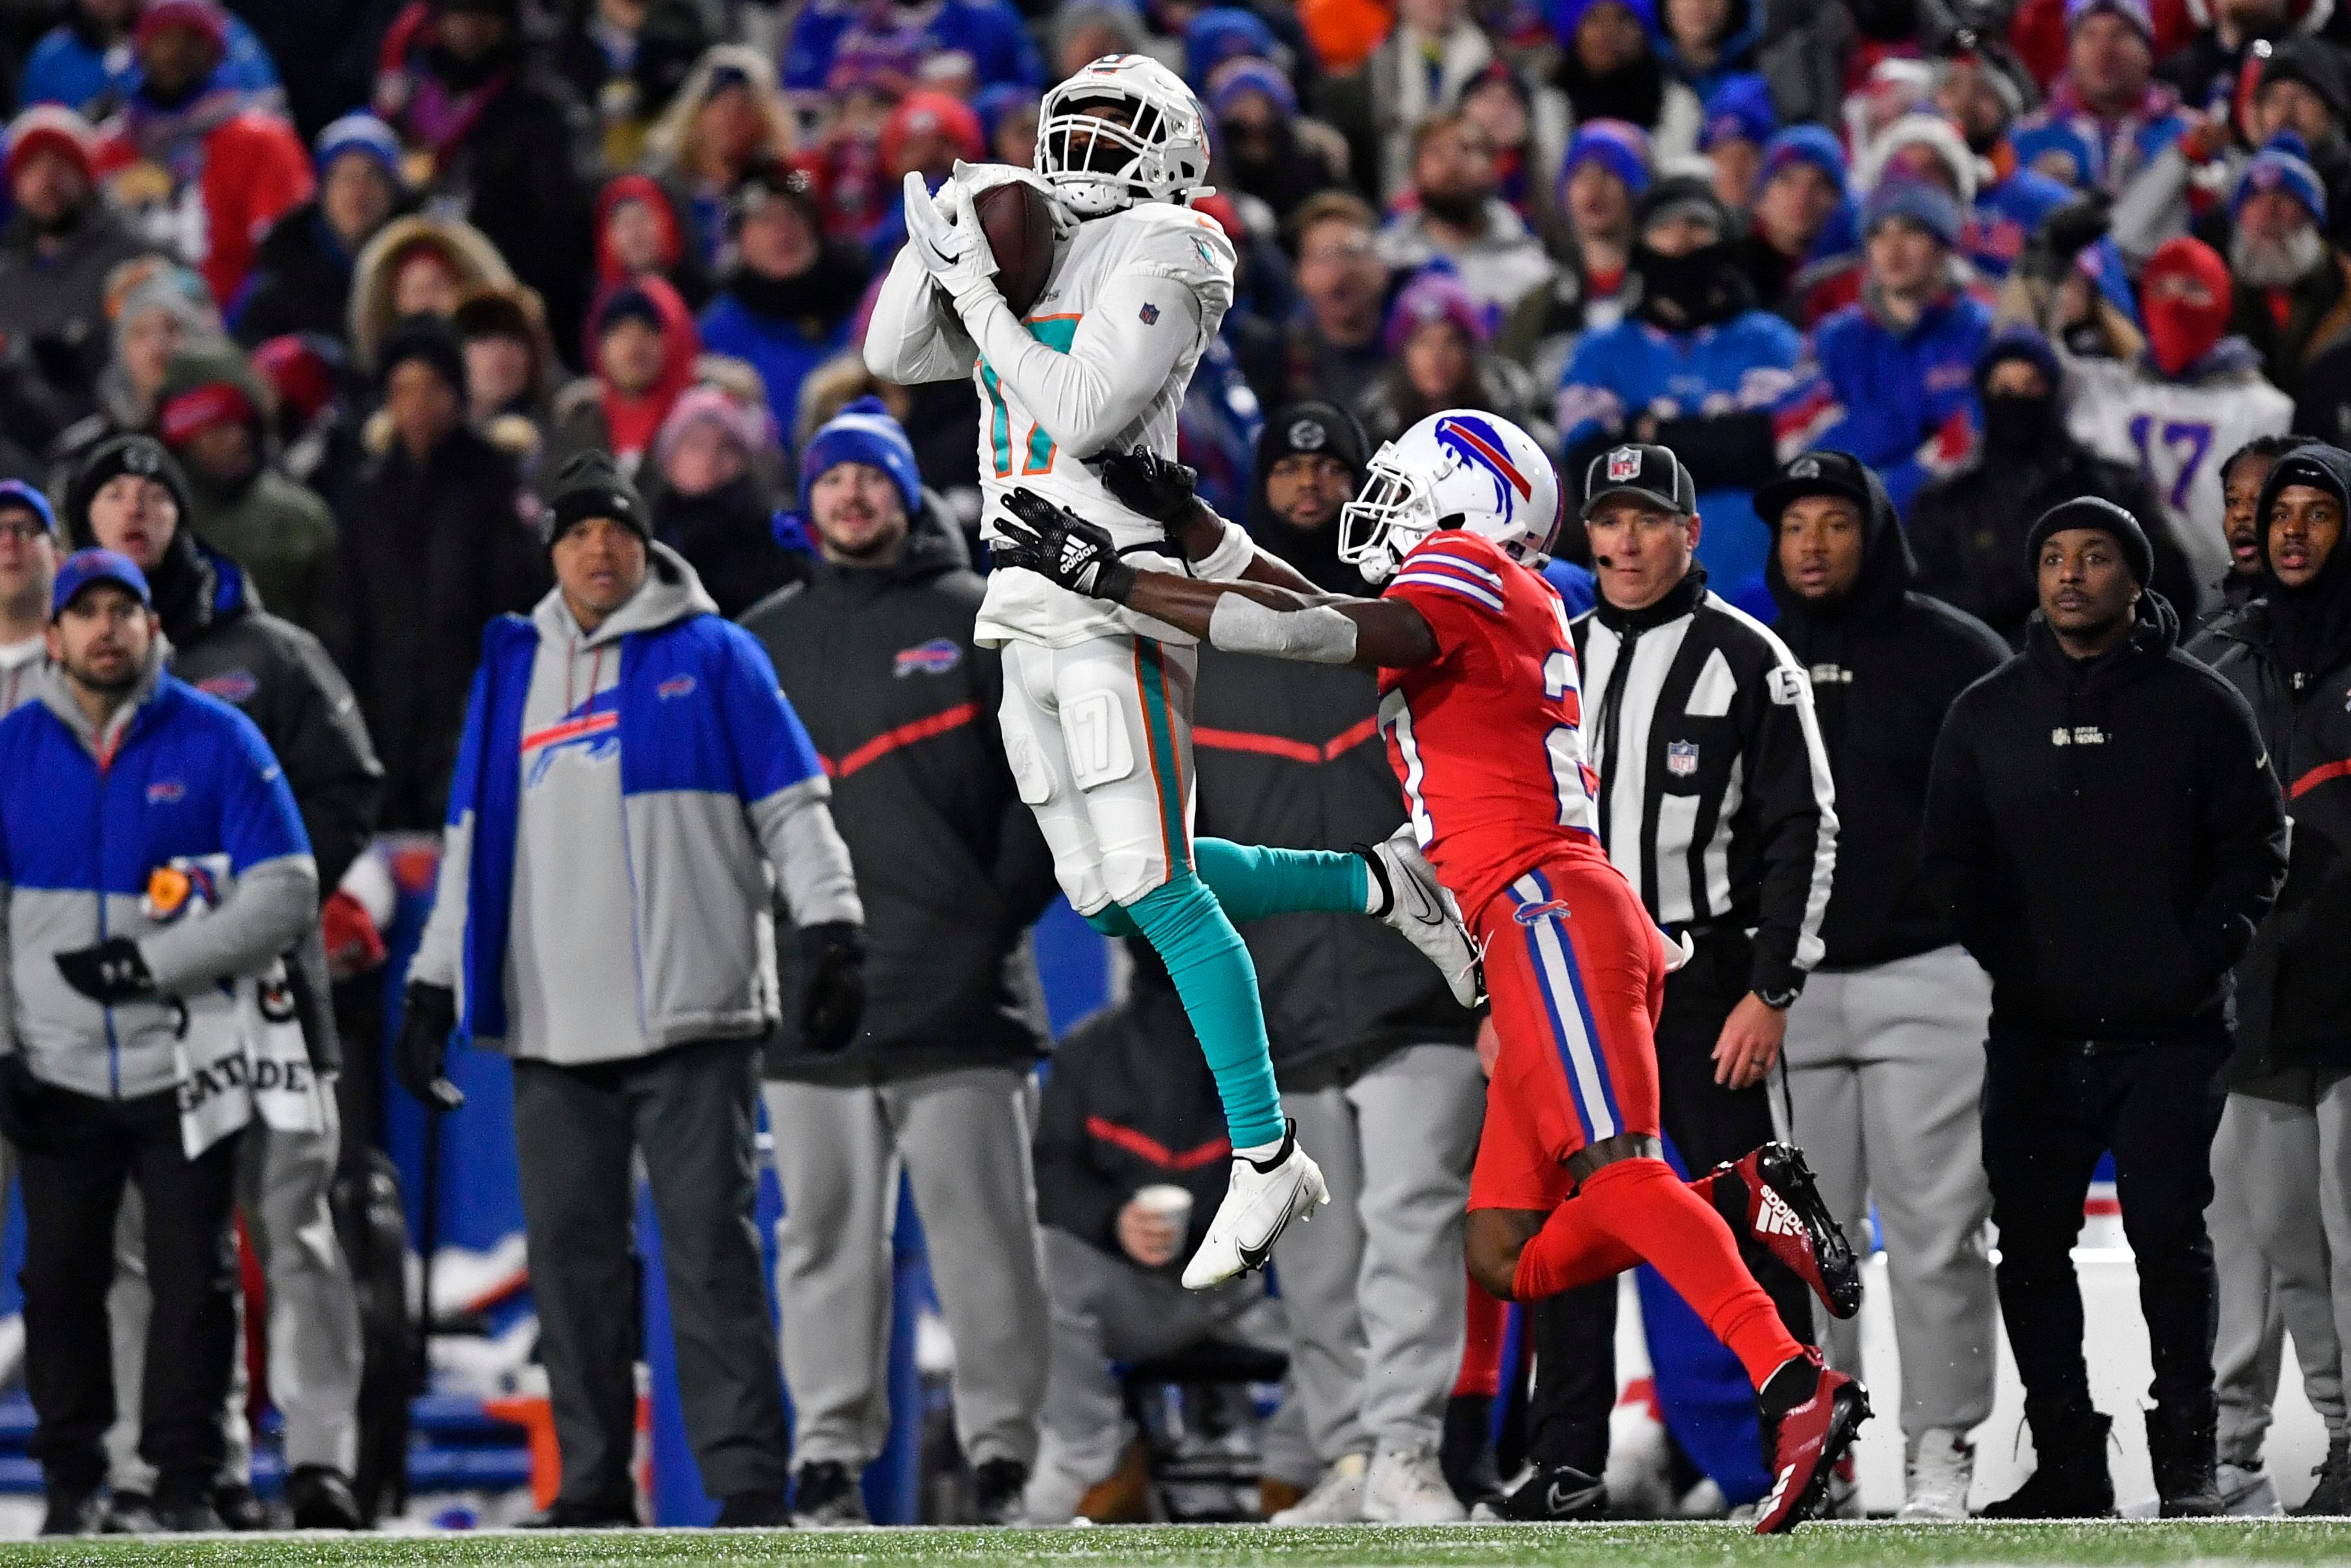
[1232, 557]
[1322, 635]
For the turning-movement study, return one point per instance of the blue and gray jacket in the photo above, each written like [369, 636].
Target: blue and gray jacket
[87, 817]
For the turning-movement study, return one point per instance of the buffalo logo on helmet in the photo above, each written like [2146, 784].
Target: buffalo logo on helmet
[1477, 445]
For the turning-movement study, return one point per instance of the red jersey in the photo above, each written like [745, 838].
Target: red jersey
[1487, 738]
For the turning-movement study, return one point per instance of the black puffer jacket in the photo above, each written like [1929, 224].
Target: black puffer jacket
[2289, 654]
[1290, 755]
[302, 280]
[2105, 837]
[881, 666]
[1886, 664]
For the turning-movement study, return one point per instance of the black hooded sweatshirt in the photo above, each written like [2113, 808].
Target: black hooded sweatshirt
[2289, 653]
[1887, 664]
[2106, 836]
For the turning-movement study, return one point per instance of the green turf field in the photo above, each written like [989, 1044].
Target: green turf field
[1506, 1546]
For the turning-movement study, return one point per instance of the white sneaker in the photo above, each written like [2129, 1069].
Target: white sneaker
[1420, 908]
[1260, 1200]
[1407, 1486]
[1935, 1482]
[2247, 1492]
[1337, 1498]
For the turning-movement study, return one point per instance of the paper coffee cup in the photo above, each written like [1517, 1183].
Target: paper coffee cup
[1169, 1202]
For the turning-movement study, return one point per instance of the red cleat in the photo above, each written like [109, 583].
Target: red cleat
[1805, 1438]
[1769, 1198]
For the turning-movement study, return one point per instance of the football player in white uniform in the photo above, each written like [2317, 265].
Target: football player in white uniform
[1097, 701]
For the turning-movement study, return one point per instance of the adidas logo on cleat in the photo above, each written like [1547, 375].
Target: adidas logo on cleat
[1779, 1490]
[1777, 1218]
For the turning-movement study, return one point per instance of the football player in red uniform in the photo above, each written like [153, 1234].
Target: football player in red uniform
[1483, 717]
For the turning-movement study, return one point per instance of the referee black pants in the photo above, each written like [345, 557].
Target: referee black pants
[1706, 1124]
[78, 1155]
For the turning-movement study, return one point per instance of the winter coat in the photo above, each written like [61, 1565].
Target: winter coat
[370, 318]
[56, 304]
[1903, 401]
[1807, 53]
[786, 327]
[725, 536]
[1887, 664]
[1500, 267]
[2105, 837]
[301, 282]
[951, 867]
[237, 158]
[990, 33]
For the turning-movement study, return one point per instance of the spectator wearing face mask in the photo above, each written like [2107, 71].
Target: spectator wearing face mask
[2292, 285]
[1611, 68]
[1605, 171]
[1458, 214]
[1696, 368]
[1801, 249]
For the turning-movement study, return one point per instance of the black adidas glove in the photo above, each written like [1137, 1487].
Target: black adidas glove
[109, 973]
[1057, 544]
[1141, 481]
[421, 1059]
[833, 953]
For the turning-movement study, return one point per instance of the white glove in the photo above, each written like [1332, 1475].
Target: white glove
[949, 243]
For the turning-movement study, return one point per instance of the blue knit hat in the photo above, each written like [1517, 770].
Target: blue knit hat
[2284, 165]
[1741, 109]
[1930, 206]
[863, 432]
[1811, 144]
[362, 132]
[1247, 73]
[1567, 16]
[1219, 35]
[1618, 146]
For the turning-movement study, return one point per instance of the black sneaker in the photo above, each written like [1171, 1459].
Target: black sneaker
[2182, 1455]
[131, 1513]
[2070, 1479]
[1551, 1495]
[596, 1513]
[2331, 1498]
[238, 1508]
[75, 1513]
[321, 1499]
[825, 1496]
[187, 1513]
[753, 1510]
[995, 1489]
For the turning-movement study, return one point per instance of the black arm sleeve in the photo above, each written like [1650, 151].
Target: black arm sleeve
[2245, 824]
[1795, 798]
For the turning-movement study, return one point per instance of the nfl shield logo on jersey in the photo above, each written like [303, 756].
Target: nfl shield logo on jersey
[1681, 758]
[1625, 463]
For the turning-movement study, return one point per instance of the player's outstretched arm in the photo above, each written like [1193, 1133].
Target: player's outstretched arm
[1239, 617]
[1160, 488]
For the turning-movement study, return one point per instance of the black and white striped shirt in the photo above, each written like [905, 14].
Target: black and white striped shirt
[1715, 800]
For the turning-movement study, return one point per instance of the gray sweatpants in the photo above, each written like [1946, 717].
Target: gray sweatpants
[690, 1111]
[1885, 1079]
[283, 1180]
[2271, 1249]
[1107, 1309]
[962, 1139]
[1374, 1282]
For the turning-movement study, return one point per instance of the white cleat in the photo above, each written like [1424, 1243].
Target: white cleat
[1422, 910]
[1407, 1486]
[1260, 1200]
[1337, 1498]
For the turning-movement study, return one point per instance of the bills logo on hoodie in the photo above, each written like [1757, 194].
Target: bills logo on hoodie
[674, 687]
[230, 685]
[935, 657]
[586, 733]
[166, 792]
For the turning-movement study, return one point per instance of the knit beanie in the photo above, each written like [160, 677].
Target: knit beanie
[140, 454]
[427, 337]
[592, 486]
[364, 133]
[1616, 145]
[863, 432]
[2090, 512]
[1930, 206]
[2284, 165]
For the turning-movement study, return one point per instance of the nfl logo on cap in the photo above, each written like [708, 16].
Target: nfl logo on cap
[1625, 463]
[1805, 469]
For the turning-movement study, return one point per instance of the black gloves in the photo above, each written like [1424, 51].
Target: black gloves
[1057, 544]
[834, 955]
[2064, 233]
[1142, 481]
[110, 973]
[419, 1061]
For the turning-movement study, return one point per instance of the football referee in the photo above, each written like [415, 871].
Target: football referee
[1717, 805]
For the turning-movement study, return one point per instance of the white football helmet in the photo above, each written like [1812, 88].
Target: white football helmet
[1165, 146]
[1457, 469]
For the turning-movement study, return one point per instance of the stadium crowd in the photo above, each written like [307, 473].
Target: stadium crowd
[445, 386]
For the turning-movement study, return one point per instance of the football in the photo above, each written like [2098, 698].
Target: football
[1017, 220]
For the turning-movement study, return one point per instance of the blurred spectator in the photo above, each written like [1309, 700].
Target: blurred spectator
[2306, 87]
[645, 229]
[416, 266]
[58, 248]
[1969, 527]
[507, 147]
[1435, 51]
[1801, 250]
[902, 703]
[1738, 125]
[2293, 286]
[1884, 1047]
[2194, 396]
[728, 118]
[1086, 30]
[928, 132]
[642, 345]
[1898, 363]
[29, 552]
[2107, 886]
[1457, 215]
[99, 1030]
[1697, 368]
[1008, 117]
[2206, 71]
[1311, 462]
[1438, 358]
[1811, 55]
[132, 497]
[1528, 128]
[710, 506]
[1212, 35]
[203, 166]
[1983, 100]
[2107, 104]
[979, 42]
[1611, 68]
[86, 62]
[630, 987]
[1129, 1111]
[158, 307]
[1708, 44]
[438, 540]
[303, 270]
[1334, 348]
[214, 415]
[851, 185]
[626, 61]
[510, 370]
[1605, 171]
[1265, 147]
[316, 430]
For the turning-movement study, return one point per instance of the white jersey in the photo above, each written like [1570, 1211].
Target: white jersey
[1102, 364]
[2177, 433]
